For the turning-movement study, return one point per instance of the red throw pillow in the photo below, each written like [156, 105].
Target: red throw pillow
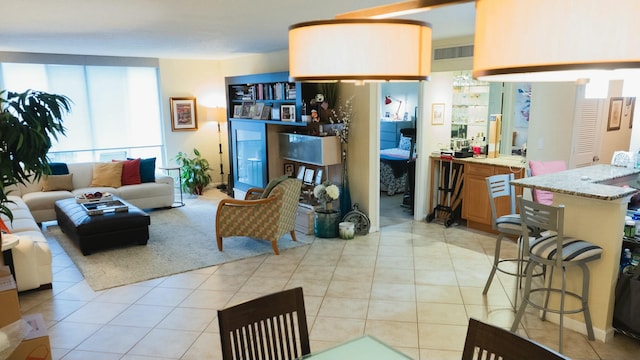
[130, 171]
[3, 227]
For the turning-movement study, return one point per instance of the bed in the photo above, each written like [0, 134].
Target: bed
[394, 165]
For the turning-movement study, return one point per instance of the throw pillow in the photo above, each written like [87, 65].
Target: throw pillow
[272, 184]
[57, 182]
[542, 168]
[107, 174]
[58, 168]
[405, 143]
[4, 228]
[147, 170]
[130, 171]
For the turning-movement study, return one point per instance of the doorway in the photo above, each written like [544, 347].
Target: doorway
[398, 109]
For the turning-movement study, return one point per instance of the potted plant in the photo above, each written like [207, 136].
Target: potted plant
[28, 122]
[194, 172]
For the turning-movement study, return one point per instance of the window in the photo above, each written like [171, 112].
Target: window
[115, 110]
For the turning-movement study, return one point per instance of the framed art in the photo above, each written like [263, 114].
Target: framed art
[288, 113]
[308, 176]
[275, 113]
[301, 170]
[288, 169]
[252, 111]
[183, 114]
[246, 108]
[627, 112]
[615, 113]
[266, 112]
[258, 111]
[237, 111]
[318, 180]
[437, 114]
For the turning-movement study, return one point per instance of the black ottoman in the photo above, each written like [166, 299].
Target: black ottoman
[102, 231]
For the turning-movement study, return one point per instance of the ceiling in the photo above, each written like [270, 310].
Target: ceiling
[185, 29]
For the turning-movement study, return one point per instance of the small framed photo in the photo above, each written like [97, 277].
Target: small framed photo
[183, 114]
[288, 113]
[246, 108]
[258, 111]
[308, 176]
[437, 114]
[237, 111]
[301, 170]
[266, 113]
[318, 179]
[252, 111]
[615, 113]
[275, 114]
[629, 105]
[288, 169]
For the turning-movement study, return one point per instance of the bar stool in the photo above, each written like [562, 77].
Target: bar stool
[498, 186]
[555, 252]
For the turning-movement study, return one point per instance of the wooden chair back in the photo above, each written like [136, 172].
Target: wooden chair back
[270, 327]
[485, 341]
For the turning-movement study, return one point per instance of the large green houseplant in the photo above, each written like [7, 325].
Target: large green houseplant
[194, 172]
[28, 122]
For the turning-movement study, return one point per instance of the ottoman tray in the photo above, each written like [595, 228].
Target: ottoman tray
[93, 232]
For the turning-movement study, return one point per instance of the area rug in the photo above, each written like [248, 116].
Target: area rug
[180, 239]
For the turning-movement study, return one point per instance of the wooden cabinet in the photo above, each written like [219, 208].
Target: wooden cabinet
[475, 205]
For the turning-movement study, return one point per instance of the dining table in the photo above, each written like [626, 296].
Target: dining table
[365, 347]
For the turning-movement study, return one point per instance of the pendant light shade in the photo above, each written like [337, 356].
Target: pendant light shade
[360, 49]
[552, 40]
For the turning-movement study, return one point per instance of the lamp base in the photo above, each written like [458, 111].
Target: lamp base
[222, 187]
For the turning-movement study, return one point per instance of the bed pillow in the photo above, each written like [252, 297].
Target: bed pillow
[405, 143]
[107, 174]
[130, 171]
[57, 182]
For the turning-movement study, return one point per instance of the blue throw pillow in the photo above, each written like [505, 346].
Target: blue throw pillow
[147, 170]
[58, 168]
[405, 143]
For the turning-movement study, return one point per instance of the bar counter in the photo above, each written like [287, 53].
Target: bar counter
[595, 200]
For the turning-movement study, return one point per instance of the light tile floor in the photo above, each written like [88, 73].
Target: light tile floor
[413, 285]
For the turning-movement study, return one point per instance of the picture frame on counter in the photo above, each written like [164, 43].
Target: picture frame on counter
[257, 113]
[289, 168]
[266, 112]
[237, 111]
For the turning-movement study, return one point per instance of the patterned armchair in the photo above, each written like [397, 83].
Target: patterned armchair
[261, 218]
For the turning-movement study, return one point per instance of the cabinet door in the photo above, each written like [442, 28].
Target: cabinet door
[249, 154]
[475, 204]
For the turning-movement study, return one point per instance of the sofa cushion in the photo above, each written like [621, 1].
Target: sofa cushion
[58, 168]
[130, 171]
[147, 170]
[272, 184]
[107, 174]
[57, 182]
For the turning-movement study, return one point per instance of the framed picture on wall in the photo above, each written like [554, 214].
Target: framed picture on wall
[183, 114]
[437, 114]
[615, 113]
[629, 105]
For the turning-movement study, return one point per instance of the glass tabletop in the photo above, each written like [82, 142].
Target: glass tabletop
[366, 347]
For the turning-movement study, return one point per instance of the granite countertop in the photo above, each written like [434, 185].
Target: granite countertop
[604, 182]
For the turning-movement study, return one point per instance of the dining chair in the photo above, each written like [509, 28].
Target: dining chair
[269, 327]
[555, 251]
[499, 187]
[485, 341]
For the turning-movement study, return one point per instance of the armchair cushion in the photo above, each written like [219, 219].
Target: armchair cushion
[272, 184]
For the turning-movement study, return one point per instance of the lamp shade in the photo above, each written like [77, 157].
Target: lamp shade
[555, 40]
[360, 49]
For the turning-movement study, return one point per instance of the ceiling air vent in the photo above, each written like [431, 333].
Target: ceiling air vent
[453, 52]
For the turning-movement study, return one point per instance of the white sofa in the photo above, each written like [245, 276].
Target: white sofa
[31, 257]
[32, 206]
[150, 195]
